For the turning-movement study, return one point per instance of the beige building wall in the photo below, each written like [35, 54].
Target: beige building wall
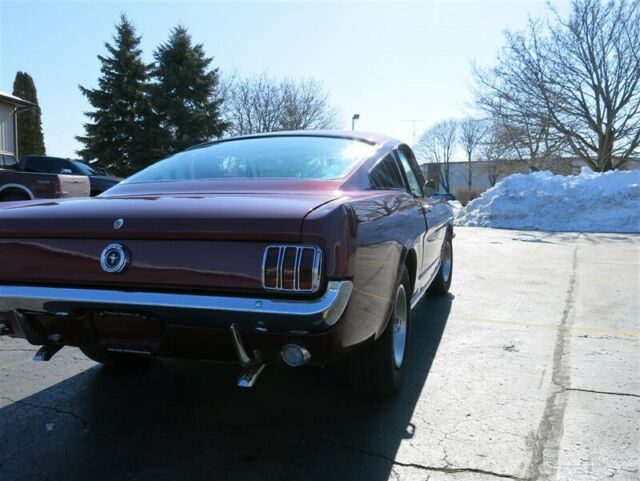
[7, 134]
[459, 172]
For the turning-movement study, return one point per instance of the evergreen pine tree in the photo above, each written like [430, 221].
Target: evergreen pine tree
[184, 94]
[30, 137]
[120, 133]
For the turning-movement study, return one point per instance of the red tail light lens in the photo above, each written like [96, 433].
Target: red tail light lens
[57, 187]
[270, 268]
[289, 268]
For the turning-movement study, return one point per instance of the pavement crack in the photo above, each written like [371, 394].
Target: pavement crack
[440, 469]
[610, 393]
[545, 443]
[63, 412]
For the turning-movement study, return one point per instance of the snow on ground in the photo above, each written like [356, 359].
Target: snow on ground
[589, 202]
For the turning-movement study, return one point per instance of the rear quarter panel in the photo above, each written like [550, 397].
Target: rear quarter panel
[377, 231]
[43, 186]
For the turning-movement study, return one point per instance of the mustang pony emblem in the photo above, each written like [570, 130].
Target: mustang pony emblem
[114, 258]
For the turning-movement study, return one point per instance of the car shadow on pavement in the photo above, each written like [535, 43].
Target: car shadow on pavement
[178, 420]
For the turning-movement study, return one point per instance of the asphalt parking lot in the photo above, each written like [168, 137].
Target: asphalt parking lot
[529, 369]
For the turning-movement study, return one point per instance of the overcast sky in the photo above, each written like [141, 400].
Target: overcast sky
[388, 61]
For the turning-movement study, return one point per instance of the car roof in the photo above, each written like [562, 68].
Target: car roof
[368, 137]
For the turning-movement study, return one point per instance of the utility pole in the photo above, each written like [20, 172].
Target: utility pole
[414, 121]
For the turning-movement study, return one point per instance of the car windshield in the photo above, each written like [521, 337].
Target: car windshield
[287, 157]
[84, 168]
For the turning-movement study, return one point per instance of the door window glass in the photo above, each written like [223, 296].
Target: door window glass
[412, 178]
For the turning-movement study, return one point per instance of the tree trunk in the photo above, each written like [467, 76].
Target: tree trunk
[605, 152]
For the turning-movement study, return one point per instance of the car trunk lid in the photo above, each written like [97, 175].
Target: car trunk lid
[225, 216]
[212, 242]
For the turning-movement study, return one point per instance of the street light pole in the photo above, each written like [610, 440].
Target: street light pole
[353, 121]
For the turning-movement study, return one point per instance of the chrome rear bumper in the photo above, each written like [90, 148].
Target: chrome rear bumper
[205, 310]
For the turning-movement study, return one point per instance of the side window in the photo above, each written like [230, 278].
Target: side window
[38, 164]
[385, 175]
[412, 178]
[62, 164]
[9, 162]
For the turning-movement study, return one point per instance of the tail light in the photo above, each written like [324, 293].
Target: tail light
[288, 268]
[57, 187]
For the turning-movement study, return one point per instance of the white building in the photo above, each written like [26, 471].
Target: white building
[9, 108]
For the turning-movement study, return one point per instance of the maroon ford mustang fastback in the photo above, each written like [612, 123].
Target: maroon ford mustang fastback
[295, 247]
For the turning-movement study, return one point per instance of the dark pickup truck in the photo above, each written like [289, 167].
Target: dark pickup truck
[99, 179]
[17, 184]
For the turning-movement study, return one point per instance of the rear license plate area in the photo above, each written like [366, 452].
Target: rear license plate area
[128, 331]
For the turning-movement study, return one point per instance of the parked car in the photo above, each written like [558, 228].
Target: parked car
[100, 179]
[296, 248]
[448, 196]
[17, 185]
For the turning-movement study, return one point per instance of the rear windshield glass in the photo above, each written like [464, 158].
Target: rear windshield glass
[292, 157]
[83, 168]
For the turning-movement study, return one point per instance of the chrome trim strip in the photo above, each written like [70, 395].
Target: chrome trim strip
[296, 269]
[279, 274]
[326, 309]
[419, 295]
[264, 266]
[317, 263]
[432, 230]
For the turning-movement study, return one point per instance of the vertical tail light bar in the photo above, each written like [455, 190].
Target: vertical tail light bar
[57, 187]
[287, 268]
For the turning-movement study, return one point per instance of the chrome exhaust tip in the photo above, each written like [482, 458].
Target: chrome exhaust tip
[294, 355]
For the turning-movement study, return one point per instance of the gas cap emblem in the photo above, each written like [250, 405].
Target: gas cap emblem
[114, 258]
[118, 224]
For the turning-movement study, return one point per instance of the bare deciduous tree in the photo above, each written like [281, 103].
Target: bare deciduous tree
[578, 79]
[307, 107]
[437, 145]
[471, 133]
[495, 149]
[262, 104]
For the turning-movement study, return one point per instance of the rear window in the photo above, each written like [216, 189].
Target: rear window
[81, 168]
[293, 157]
[48, 165]
[385, 175]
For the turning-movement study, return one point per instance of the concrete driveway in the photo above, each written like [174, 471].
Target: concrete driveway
[529, 369]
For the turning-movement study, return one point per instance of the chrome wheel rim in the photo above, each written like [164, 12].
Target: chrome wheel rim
[446, 261]
[400, 327]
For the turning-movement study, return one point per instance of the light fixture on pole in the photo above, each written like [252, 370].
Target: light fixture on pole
[353, 121]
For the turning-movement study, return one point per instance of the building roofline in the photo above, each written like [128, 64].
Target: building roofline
[17, 102]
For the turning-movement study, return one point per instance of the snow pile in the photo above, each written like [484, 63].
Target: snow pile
[456, 206]
[589, 202]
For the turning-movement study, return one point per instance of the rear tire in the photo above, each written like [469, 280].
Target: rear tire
[442, 282]
[114, 359]
[378, 369]
[12, 195]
